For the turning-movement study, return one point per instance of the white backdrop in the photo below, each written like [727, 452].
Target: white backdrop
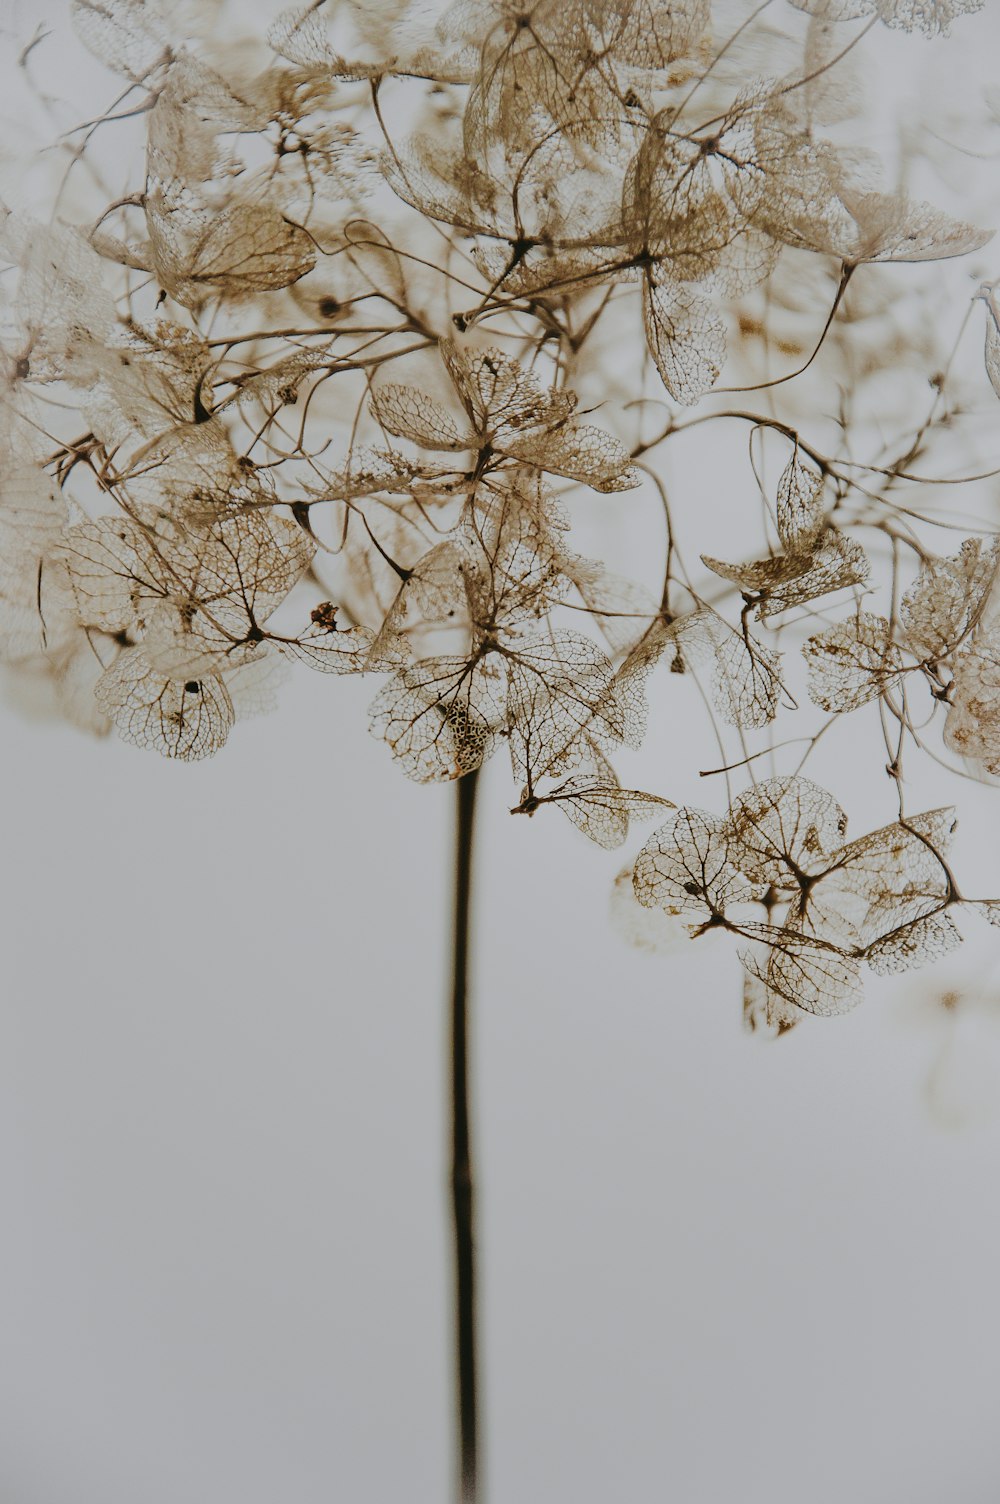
[712, 1267]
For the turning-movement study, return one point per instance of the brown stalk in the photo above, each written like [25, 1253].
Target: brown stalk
[462, 1183]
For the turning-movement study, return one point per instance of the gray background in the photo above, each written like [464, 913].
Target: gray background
[712, 1268]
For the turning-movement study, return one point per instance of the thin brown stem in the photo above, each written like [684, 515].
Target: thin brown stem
[462, 1185]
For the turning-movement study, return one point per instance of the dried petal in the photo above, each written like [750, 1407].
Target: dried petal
[916, 944]
[686, 867]
[410, 414]
[441, 717]
[948, 597]
[184, 719]
[852, 663]
[801, 973]
[782, 828]
[801, 515]
[686, 338]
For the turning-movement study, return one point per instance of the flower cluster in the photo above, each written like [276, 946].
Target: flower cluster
[307, 392]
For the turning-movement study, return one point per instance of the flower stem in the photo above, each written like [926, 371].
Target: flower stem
[461, 1168]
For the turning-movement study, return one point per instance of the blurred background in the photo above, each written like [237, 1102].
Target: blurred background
[712, 1266]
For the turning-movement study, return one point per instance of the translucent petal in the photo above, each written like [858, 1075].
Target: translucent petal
[686, 338]
[852, 663]
[410, 414]
[686, 867]
[948, 597]
[784, 827]
[182, 719]
[917, 944]
[441, 717]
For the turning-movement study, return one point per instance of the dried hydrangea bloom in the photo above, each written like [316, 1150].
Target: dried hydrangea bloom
[408, 342]
[334, 381]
